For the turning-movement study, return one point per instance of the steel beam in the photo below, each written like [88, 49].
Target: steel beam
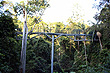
[62, 34]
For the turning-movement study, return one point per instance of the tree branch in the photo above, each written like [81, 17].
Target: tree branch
[38, 19]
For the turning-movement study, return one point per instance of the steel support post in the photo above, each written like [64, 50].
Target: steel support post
[52, 53]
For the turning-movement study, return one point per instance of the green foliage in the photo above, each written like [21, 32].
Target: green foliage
[104, 26]
[32, 7]
[9, 47]
[38, 56]
[65, 62]
[7, 26]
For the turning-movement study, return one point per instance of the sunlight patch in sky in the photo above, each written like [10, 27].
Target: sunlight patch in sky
[61, 10]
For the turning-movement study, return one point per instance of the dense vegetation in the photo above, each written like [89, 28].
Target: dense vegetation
[69, 56]
[9, 47]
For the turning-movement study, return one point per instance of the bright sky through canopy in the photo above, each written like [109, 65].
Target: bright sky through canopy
[61, 10]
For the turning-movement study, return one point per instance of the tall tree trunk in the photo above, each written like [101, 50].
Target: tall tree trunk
[100, 43]
[70, 46]
[99, 35]
[24, 42]
[78, 44]
[85, 52]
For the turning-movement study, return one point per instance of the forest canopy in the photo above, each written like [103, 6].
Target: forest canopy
[69, 55]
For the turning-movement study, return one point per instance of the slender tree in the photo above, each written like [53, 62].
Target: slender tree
[99, 35]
